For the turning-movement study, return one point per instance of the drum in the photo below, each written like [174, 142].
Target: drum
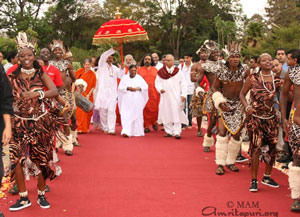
[83, 102]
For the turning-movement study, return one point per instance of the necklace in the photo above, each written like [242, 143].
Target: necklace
[262, 78]
[110, 70]
[267, 74]
[48, 67]
[28, 71]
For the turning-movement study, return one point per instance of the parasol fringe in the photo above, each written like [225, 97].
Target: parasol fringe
[124, 39]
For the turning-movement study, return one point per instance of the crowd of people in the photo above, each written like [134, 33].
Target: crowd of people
[45, 104]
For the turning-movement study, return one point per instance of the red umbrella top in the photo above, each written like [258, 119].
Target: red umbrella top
[121, 31]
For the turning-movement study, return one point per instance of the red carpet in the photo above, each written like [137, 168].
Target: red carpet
[111, 176]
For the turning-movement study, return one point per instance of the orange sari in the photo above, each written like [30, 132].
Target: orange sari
[84, 118]
[151, 108]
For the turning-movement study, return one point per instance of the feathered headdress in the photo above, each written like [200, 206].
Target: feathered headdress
[233, 48]
[68, 54]
[23, 42]
[208, 46]
[57, 44]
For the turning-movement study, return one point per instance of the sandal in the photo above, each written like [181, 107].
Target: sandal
[125, 135]
[220, 170]
[233, 168]
[295, 207]
[200, 134]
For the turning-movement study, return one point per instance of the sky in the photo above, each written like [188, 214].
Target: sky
[251, 7]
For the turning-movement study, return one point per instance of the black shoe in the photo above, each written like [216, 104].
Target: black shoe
[76, 144]
[155, 127]
[177, 136]
[167, 135]
[42, 201]
[68, 153]
[253, 187]
[206, 149]
[22, 203]
[269, 182]
[241, 158]
[146, 130]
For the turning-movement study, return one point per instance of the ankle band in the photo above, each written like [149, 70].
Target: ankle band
[23, 194]
[41, 192]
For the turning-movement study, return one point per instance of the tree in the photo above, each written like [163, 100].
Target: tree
[283, 37]
[226, 30]
[254, 32]
[18, 15]
[7, 45]
[73, 21]
[282, 12]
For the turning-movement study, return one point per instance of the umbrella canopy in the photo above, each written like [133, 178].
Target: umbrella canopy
[120, 31]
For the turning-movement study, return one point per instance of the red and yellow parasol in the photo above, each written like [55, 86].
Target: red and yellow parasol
[120, 31]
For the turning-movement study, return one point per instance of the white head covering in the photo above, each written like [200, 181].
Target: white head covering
[81, 82]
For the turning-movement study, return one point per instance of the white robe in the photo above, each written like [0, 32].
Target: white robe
[107, 83]
[131, 105]
[170, 105]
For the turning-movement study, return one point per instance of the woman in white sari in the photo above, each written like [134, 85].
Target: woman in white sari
[132, 98]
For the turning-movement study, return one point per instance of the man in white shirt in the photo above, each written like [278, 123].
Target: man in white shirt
[171, 85]
[107, 90]
[158, 65]
[12, 59]
[186, 71]
[132, 98]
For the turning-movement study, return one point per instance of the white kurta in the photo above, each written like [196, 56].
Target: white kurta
[186, 71]
[131, 105]
[159, 65]
[107, 83]
[170, 106]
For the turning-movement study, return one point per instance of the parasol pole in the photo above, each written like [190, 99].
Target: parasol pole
[121, 49]
[118, 15]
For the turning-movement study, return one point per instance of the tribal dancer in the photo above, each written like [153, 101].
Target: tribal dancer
[199, 92]
[35, 123]
[227, 86]
[292, 78]
[262, 121]
[208, 69]
[68, 76]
